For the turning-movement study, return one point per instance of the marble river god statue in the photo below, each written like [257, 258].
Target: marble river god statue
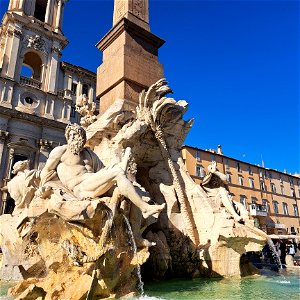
[215, 185]
[116, 203]
[81, 172]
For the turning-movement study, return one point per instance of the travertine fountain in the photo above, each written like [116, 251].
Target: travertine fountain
[117, 200]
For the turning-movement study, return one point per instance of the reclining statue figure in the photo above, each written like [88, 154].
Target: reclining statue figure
[215, 185]
[23, 186]
[81, 172]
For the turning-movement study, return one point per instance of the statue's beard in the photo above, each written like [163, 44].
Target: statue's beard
[76, 146]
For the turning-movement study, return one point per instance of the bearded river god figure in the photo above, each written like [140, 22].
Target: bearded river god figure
[81, 171]
[117, 198]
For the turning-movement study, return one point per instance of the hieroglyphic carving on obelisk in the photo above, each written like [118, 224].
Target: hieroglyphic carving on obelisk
[137, 8]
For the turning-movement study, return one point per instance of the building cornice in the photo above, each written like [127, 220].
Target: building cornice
[12, 113]
[132, 28]
[77, 69]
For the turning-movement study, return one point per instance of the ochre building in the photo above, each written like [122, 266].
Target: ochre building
[271, 197]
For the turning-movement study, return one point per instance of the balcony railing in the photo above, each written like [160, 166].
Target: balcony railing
[30, 82]
[258, 210]
[275, 225]
[279, 226]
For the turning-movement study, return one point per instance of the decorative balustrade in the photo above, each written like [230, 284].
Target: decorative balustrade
[30, 82]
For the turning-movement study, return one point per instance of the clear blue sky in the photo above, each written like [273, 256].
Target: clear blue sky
[235, 62]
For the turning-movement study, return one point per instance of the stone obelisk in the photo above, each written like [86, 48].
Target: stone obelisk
[130, 55]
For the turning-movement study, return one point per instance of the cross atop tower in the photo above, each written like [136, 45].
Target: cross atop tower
[136, 11]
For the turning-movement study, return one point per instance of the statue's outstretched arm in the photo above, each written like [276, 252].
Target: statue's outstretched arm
[212, 168]
[222, 176]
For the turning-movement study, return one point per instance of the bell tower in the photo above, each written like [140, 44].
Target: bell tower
[130, 55]
[30, 49]
[38, 92]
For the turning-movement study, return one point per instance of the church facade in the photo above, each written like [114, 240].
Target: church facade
[38, 91]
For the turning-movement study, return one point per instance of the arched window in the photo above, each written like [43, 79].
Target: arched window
[32, 66]
[40, 9]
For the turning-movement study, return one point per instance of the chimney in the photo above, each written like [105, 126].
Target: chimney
[220, 150]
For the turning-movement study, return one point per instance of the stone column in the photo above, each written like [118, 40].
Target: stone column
[67, 85]
[49, 107]
[58, 15]
[48, 12]
[14, 51]
[79, 88]
[3, 200]
[43, 76]
[62, 15]
[67, 81]
[53, 75]
[68, 110]
[6, 93]
[11, 153]
[63, 111]
[91, 94]
[12, 4]
[3, 136]
[21, 4]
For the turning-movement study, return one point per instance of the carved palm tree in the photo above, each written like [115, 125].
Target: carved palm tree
[155, 109]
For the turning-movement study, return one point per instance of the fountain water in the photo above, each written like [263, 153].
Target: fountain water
[274, 253]
[277, 260]
[134, 248]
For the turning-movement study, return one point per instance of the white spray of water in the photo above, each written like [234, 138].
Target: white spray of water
[134, 248]
[274, 253]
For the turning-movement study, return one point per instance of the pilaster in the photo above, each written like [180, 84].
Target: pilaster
[3, 138]
[49, 12]
[58, 15]
[11, 153]
[54, 68]
[15, 35]
[49, 107]
[6, 92]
